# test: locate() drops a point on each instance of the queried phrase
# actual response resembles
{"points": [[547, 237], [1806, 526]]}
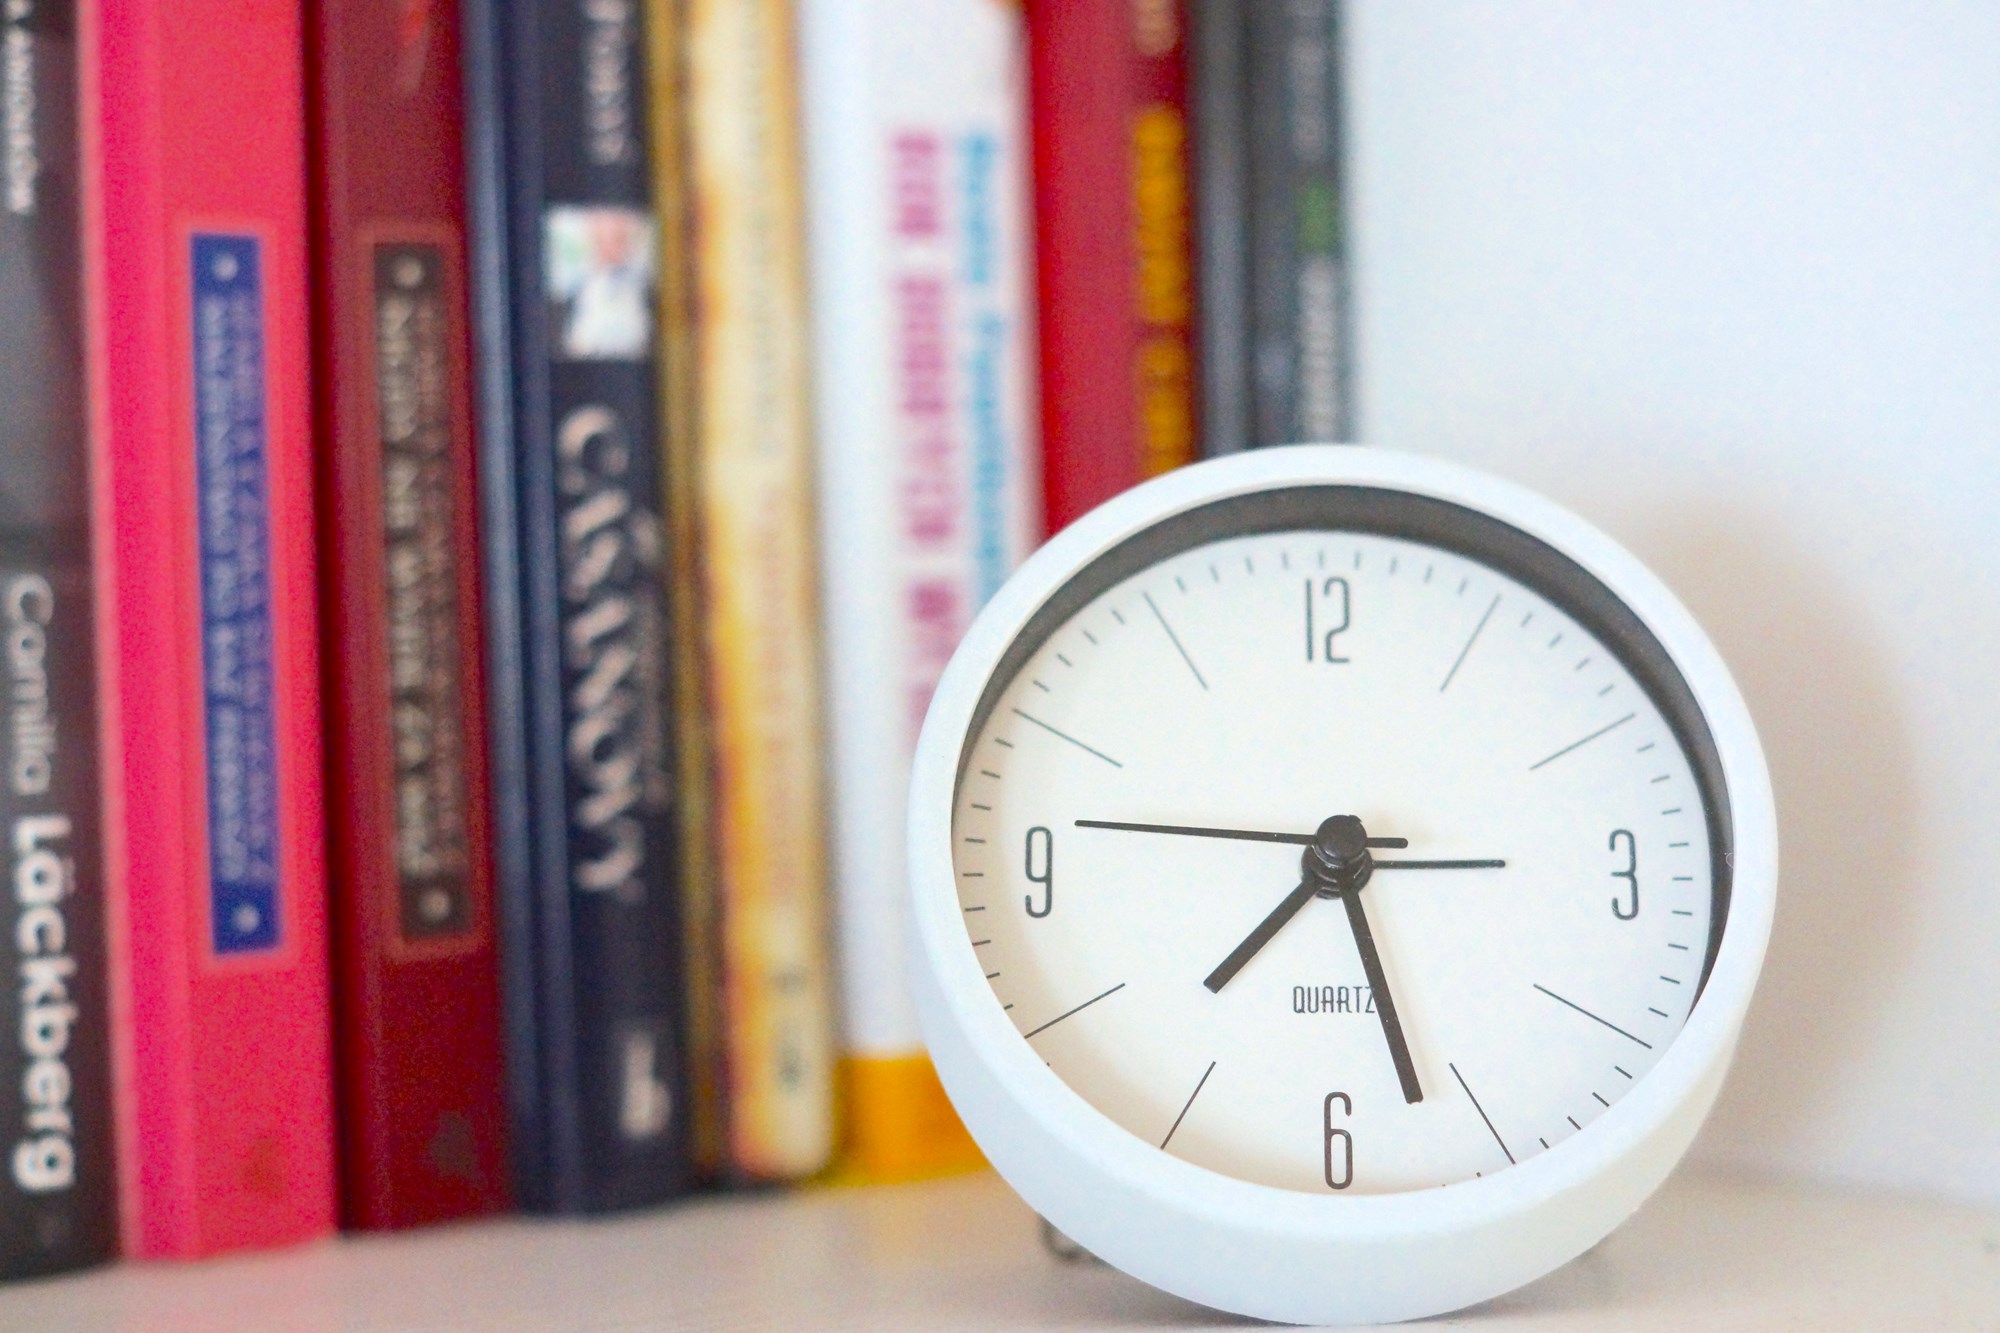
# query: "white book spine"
{"points": [[917, 221]]}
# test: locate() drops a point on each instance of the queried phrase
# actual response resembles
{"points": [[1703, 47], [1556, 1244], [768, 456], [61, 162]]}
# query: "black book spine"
{"points": [[1218, 75], [1301, 334], [565, 276], [57, 1197]]}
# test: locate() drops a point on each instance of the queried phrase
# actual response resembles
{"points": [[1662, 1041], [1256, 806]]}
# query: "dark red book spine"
{"points": [[422, 1109], [1114, 251]]}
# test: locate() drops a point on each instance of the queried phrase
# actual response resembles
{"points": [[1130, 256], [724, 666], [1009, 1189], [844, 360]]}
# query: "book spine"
{"points": [[705, 1020], [1114, 268], [576, 544], [754, 482], [422, 1106], [58, 1200], [1219, 78], [196, 228], [1300, 335], [920, 253]]}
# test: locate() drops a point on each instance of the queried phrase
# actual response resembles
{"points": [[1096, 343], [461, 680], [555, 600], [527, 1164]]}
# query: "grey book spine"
{"points": [[1301, 337], [57, 1197], [1220, 95]]}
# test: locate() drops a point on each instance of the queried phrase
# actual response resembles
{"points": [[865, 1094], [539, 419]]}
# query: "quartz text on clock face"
{"points": [[1335, 861]]}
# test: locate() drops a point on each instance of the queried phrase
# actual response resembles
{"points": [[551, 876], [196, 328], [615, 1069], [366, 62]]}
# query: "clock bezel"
{"points": [[1280, 1253]]}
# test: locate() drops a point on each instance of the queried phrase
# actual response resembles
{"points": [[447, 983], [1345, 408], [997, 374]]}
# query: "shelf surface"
{"points": [[1704, 1253]]}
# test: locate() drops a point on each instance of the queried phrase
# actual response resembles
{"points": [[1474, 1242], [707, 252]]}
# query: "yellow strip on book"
{"points": [[898, 1123]]}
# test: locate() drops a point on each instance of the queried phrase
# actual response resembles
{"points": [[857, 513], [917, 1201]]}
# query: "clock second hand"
{"points": [[1292, 839]]}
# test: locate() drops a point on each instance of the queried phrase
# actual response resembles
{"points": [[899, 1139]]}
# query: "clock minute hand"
{"points": [[1385, 1004]]}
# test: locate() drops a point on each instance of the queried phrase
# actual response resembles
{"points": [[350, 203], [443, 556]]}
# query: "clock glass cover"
{"points": [[1342, 840]]}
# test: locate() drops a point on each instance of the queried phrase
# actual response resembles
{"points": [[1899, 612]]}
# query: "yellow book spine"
{"points": [[754, 482], [700, 906]]}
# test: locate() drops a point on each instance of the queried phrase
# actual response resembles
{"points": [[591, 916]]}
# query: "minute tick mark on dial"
{"points": [[1176, 640], [1459, 661], [1482, 1113], [1575, 745], [1028, 717], [1593, 1017], [1070, 1013], [1190, 1102]]}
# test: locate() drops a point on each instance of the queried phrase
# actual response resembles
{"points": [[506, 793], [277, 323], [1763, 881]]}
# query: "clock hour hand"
{"points": [[1261, 936]]}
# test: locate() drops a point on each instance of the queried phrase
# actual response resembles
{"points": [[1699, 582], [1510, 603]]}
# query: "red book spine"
{"points": [[418, 1008], [1114, 249], [194, 186]]}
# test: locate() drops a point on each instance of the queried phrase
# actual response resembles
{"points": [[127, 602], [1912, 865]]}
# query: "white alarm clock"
{"points": [[1338, 881]]}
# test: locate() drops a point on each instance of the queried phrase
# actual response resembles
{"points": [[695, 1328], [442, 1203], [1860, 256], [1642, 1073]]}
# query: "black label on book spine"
{"points": [[56, 1184], [420, 561]]}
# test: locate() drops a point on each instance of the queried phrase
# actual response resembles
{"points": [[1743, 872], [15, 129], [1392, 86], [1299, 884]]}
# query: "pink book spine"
{"points": [[195, 216]]}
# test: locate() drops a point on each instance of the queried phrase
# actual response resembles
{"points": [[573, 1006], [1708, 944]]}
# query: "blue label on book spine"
{"points": [[232, 494]]}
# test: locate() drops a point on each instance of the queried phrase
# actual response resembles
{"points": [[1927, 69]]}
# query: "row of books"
{"points": [[489, 488]]}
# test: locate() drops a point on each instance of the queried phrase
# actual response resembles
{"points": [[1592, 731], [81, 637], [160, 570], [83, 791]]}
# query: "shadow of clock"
{"points": [[1835, 734]]}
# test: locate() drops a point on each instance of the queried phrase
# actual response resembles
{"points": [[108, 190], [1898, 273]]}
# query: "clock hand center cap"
{"points": [[1337, 860]]}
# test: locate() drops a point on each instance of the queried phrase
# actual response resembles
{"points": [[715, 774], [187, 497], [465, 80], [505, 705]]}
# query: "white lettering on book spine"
{"points": [[44, 1159], [612, 643]]}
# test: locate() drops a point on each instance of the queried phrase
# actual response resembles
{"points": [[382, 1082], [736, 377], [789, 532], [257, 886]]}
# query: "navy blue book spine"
{"points": [[565, 268], [57, 1197]]}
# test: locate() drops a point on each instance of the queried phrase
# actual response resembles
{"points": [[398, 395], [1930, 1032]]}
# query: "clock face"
{"points": [[1349, 842]]}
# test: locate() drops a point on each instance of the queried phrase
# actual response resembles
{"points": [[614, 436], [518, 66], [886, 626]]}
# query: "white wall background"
{"points": [[1725, 278]]}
